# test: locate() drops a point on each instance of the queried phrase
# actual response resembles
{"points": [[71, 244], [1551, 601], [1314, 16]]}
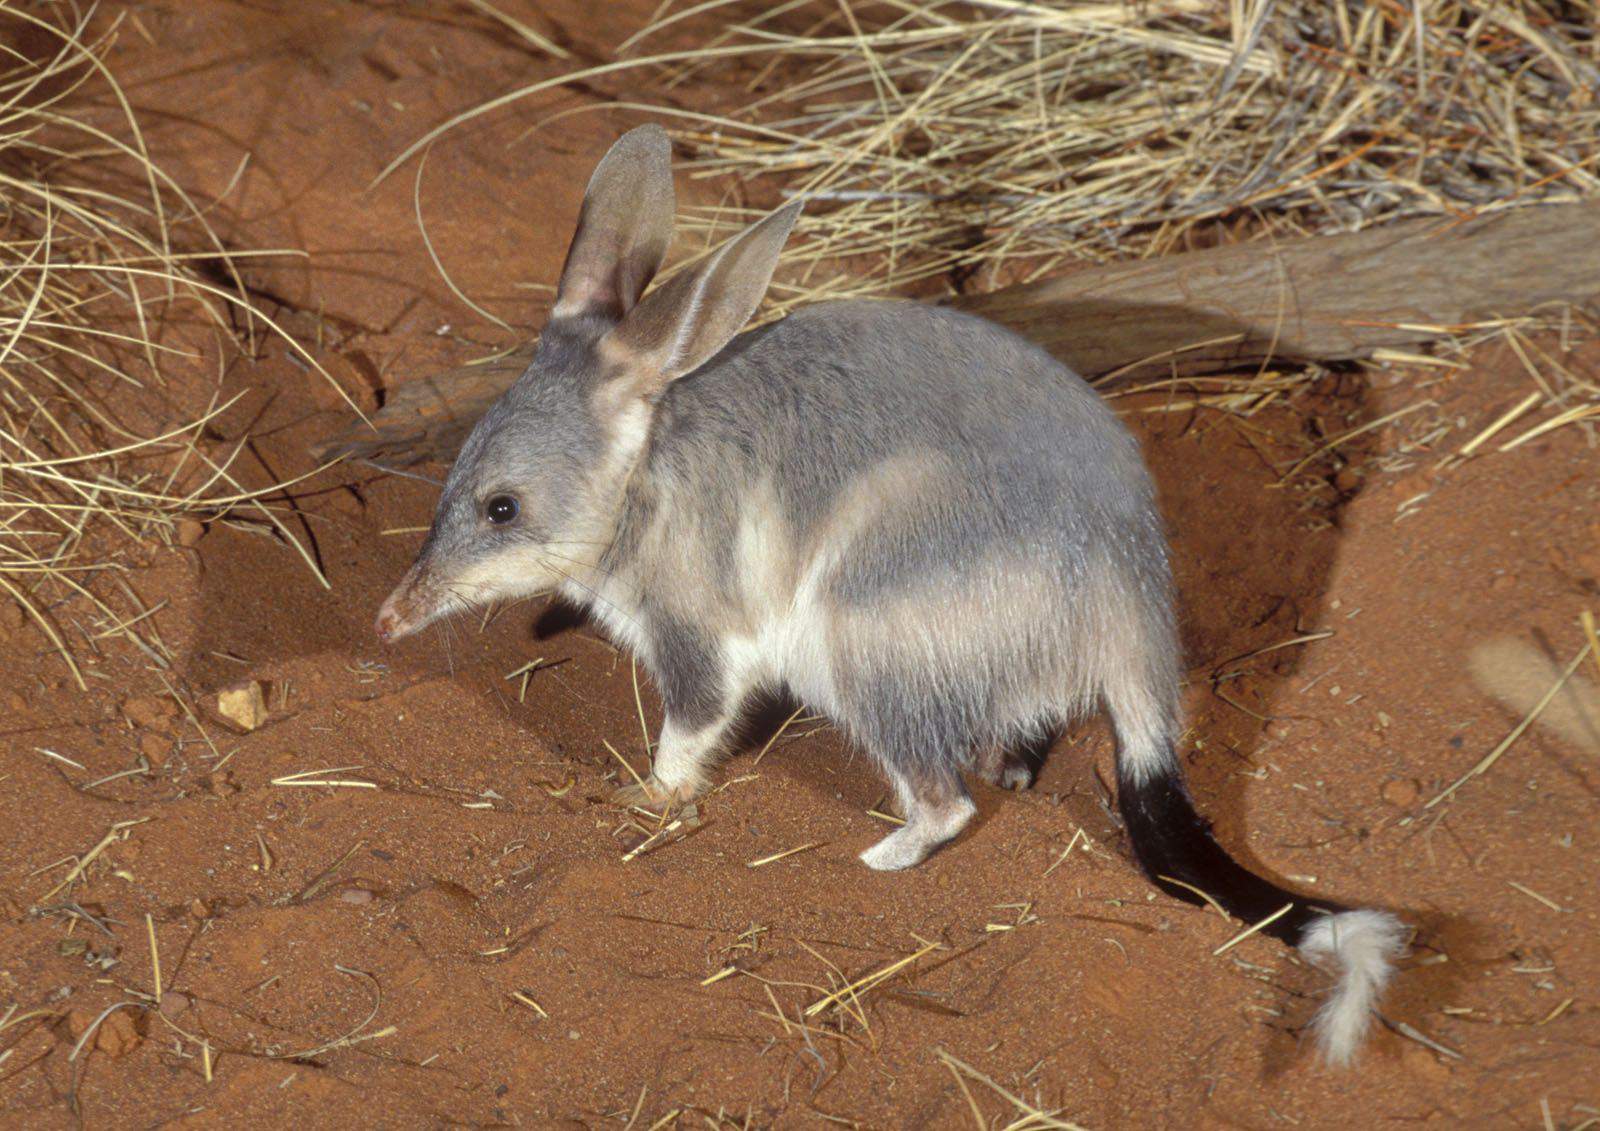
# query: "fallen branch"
{"points": [[1323, 298]]}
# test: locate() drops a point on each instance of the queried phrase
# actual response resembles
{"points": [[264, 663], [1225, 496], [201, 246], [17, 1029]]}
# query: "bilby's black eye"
{"points": [[501, 509]]}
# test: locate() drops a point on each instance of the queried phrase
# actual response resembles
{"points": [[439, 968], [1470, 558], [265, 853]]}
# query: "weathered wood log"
{"points": [[429, 417], [1322, 298]]}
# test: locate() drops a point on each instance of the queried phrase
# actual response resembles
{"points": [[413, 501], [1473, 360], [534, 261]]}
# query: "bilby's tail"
{"points": [[1175, 846]]}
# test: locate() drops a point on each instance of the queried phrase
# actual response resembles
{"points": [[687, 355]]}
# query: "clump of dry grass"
{"points": [[97, 302], [1000, 138], [964, 146], [987, 141]]}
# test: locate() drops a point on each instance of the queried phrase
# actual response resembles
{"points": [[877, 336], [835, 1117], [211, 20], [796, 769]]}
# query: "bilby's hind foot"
{"points": [[1006, 768], [935, 813]]}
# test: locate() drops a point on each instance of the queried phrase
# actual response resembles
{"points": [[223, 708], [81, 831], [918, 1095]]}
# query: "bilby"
{"points": [[915, 521]]}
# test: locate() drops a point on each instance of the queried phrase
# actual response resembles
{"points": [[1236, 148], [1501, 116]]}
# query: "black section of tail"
{"points": [[1173, 842]]}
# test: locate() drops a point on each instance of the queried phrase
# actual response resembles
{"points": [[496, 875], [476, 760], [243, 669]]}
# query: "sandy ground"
{"points": [[462, 938]]}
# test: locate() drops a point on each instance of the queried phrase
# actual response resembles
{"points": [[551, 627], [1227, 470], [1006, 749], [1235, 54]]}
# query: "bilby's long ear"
{"points": [[623, 230], [684, 322]]}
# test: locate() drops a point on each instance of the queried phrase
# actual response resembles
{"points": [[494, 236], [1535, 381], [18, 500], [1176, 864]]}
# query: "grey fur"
{"points": [[1017, 581], [915, 520]]}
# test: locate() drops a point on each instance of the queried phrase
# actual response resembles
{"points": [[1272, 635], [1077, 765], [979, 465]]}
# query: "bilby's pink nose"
{"points": [[406, 609], [392, 623], [388, 624]]}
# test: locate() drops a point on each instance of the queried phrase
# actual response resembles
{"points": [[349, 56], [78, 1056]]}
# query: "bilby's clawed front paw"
{"points": [[653, 793]]}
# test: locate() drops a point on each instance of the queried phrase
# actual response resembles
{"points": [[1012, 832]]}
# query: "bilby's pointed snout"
{"points": [[403, 611], [388, 624]]}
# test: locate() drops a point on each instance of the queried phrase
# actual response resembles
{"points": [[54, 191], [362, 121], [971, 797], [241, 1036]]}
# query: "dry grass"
{"points": [[951, 146], [1024, 1116], [1488, 760], [97, 302], [994, 140], [967, 146], [838, 1010], [1001, 138]]}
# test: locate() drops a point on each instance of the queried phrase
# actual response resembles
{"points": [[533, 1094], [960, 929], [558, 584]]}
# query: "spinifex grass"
{"points": [[1003, 137], [97, 303], [992, 140]]}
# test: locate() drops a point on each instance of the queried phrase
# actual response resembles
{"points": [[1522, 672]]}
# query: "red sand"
{"points": [[467, 943]]}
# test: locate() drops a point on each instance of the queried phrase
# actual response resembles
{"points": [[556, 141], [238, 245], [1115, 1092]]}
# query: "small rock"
{"points": [[190, 531], [174, 1003], [1503, 581], [155, 747], [117, 1035], [1401, 792], [219, 784], [243, 704], [11, 614], [1348, 480], [1589, 555], [16, 702], [356, 895], [198, 908], [149, 710], [78, 1022]]}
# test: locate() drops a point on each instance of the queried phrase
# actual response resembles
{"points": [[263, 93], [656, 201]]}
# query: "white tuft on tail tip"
{"points": [[1359, 948]]}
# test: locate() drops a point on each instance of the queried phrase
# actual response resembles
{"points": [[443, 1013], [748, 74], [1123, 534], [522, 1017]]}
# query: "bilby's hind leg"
{"points": [[936, 808], [1005, 766]]}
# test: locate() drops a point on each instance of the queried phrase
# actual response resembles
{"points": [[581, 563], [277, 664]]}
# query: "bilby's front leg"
{"points": [[702, 697], [683, 761]]}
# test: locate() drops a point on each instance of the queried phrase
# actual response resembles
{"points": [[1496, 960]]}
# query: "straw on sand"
{"points": [[98, 300]]}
